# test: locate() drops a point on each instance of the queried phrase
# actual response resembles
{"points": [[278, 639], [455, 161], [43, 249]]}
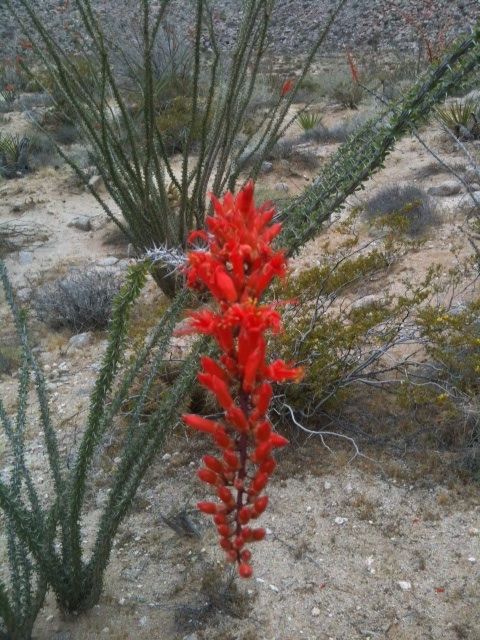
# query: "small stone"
{"points": [[267, 167], [274, 588], [83, 223], [24, 294], [405, 585], [281, 186], [449, 188], [472, 559], [166, 456], [49, 618], [327, 485], [339, 520], [191, 636], [315, 612], [474, 186], [366, 301], [473, 531], [96, 183], [109, 261], [80, 341], [25, 257]]}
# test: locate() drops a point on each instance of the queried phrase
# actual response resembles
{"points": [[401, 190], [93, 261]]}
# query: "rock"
{"points": [[281, 186], [339, 520], [405, 585], [266, 167], [24, 294], [366, 301], [327, 485], [96, 183], [449, 188], [315, 612], [472, 175], [80, 341], [109, 261], [472, 559], [25, 257], [83, 223], [191, 636], [474, 186]]}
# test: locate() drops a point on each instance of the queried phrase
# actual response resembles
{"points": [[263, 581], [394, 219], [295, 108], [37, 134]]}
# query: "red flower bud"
{"points": [[268, 466], [224, 530], [237, 418], [222, 439], [277, 441], [210, 366], [245, 570], [212, 463], [258, 534], [260, 504], [245, 555], [263, 431], [225, 495], [207, 507], [225, 544], [199, 423], [244, 515], [231, 459], [259, 482], [208, 476]]}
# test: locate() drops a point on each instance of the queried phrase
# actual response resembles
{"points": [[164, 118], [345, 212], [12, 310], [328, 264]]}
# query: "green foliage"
{"points": [[308, 120], [14, 155], [339, 342], [348, 94], [50, 532], [406, 208], [462, 117], [133, 153]]}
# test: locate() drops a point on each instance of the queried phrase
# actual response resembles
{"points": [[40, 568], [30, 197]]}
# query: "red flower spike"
{"points": [[236, 264]]}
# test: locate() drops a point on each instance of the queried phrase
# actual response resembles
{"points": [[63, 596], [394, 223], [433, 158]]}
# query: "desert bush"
{"points": [[348, 94], [408, 206], [339, 132], [462, 118], [80, 301]]}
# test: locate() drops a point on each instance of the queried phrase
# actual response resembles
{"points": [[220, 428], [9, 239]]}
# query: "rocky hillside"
{"points": [[363, 24]]}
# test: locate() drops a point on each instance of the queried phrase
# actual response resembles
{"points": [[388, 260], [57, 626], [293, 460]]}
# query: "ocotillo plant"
{"points": [[75, 579], [236, 267], [161, 206]]}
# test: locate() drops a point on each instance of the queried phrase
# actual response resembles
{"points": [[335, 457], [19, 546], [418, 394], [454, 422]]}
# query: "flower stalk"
{"points": [[236, 266]]}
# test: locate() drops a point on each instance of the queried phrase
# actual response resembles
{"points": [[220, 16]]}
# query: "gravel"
{"points": [[362, 24]]}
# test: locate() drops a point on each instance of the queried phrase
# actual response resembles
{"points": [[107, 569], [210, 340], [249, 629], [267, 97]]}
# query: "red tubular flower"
{"points": [[237, 264], [287, 86]]}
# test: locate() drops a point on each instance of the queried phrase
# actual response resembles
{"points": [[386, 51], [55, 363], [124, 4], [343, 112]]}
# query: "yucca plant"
{"points": [[14, 153], [308, 120], [461, 117]]}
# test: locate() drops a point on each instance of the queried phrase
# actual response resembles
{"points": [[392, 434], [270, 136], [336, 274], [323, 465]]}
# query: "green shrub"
{"points": [[348, 94], [407, 207]]}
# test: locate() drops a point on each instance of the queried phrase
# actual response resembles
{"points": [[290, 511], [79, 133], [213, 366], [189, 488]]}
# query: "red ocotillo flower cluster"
{"points": [[236, 266]]}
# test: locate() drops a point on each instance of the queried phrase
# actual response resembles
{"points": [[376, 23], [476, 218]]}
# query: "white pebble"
{"points": [[315, 611], [340, 520], [404, 585]]}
